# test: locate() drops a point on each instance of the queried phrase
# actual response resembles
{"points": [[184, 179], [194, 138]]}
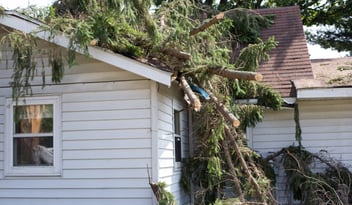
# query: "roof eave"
{"points": [[25, 24], [324, 93]]}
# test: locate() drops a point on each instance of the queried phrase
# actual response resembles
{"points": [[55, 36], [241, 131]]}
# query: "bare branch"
{"points": [[207, 24]]}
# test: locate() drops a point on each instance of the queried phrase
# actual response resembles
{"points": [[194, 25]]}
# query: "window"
{"points": [[177, 131], [32, 138]]}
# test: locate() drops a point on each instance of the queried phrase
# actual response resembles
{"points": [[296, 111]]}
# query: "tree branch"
{"points": [[223, 110], [190, 94], [176, 53], [207, 24], [232, 170], [241, 159], [235, 74]]}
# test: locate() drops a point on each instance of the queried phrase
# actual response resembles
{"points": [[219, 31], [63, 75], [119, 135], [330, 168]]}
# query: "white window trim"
{"points": [[54, 170]]}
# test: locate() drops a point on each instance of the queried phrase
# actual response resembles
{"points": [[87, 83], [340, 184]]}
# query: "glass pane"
{"points": [[33, 151], [177, 126], [33, 119]]}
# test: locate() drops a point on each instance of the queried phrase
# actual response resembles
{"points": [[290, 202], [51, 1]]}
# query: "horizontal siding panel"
{"points": [[327, 130], [106, 124], [91, 87], [274, 138], [102, 76], [107, 154], [165, 126], [106, 163], [324, 122], [164, 107], [74, 183], [277, 145], [165, 174], [107, 144], [325, 137], [106, 115], [75, 201], [107, 134], [174, 181], [165, 116], [275, 124], [107, 105], [75, 193], [166, 163], [166, 143], [106, 173], [327, 144], [268, 131], [166, 154], [107, 95], [328, 115]]}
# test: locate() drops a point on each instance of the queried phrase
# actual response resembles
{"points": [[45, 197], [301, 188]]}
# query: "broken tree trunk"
{"points": [[235, 74], [195, 102], [232, 170], [207, 24], [176, 53], [223, 110], [243, 162]]}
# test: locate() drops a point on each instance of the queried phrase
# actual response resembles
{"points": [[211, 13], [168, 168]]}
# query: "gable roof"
{"points": [[290, 59], [25, 24]]}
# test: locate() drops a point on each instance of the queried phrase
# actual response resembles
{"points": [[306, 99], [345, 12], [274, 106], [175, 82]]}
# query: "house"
{"points": [[99, 137], [320, 88]]}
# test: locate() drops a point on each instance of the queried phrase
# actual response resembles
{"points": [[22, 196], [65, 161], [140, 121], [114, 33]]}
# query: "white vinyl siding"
{"points": [[169, 170], [325, 124], [106, 140]]}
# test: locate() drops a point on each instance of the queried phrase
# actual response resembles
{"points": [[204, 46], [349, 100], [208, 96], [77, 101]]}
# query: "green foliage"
{"points": [[166, 198], [267, 97], [249, 115], [298, 131], [253, 54], [246, 28], [35, 12], [24, 67], [128, 28], [315, 187]]}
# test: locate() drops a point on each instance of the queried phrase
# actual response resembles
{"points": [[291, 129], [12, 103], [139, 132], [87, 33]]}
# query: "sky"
{"points": [[315, 51]]}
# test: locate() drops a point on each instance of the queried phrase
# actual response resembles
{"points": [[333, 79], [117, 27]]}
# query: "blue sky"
{"points": [[315, 51]]}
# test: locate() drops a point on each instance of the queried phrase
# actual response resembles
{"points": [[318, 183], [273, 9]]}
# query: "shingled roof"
{"points": [[290, 59]]}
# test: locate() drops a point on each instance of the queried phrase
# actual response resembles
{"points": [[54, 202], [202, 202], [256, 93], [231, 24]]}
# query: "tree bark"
{"points": [[188, 91], [235, 74]]}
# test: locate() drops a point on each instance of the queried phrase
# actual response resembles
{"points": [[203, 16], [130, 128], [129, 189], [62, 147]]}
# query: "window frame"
{"points": [[55, 169], [177, 133]]}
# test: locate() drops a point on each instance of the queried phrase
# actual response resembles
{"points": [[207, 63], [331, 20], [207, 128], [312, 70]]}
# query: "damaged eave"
{"points": [[25, 24]]}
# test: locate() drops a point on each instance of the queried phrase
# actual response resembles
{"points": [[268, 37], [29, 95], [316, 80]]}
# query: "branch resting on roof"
{"points": [[195, 102], [235, 74]]}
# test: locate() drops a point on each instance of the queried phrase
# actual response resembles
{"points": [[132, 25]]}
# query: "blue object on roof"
{"points": [[200, 91]]}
